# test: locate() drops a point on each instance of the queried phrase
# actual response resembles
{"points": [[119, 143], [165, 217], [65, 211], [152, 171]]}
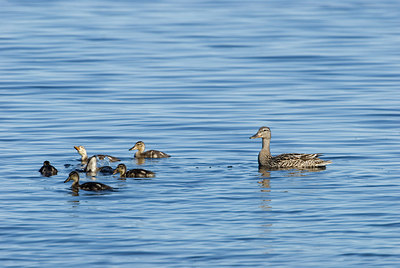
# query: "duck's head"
{"points": [[74, 176], [138, 146], [263, 132], [81, 150], [46, 163], [121, 168]]}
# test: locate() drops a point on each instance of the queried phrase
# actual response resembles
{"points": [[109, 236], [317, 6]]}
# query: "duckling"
{"points": [[133, 173], [87, 186], [48, 170], [84, 157], [148, 154], [91, 167], [300, 161]]}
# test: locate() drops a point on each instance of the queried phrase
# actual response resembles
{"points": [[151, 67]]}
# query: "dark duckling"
{"points": [[133, 173], [148, 154], [84, 157], [299, 161], [87, 186], [48, 170]]}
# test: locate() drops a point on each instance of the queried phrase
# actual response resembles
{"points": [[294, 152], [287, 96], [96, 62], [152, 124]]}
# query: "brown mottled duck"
{"points": [[284, 161]]}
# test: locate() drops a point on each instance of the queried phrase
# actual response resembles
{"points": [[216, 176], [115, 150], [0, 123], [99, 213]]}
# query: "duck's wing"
{"points": [[54, 171], [299, 160], [155, 154], [94, 186], [107, 170], [294, 156], [109, 157], [140, 173]]}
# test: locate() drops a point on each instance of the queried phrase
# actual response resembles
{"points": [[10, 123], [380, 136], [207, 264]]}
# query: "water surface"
{"points": [[196, 80]]}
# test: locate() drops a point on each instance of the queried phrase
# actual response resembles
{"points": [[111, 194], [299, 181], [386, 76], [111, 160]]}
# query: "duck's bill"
{"points": [[255, 136], [115, 171], [67, 180], [76, 148], [133, 148]]}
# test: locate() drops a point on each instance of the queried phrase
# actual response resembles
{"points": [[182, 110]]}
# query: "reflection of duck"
{"points": [[299, 161], [87, 186], [148, 154], [84, 157], [48, 170], [133, 173], [92, 168]]}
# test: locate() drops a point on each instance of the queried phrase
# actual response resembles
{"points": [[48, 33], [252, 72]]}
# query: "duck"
{"points": [[48, 170], [284, 161], [84, 157], [148, 154], [91, 167], [133, 173], [87, 186]]}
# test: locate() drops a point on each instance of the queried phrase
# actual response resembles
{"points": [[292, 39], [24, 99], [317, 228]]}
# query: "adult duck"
{"points": [[284, 161], [133, 173], [48, 170], [147, 154], [84, 157], [87, 186]]}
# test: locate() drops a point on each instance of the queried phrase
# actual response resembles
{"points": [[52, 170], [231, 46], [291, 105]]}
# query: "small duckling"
{"points": [[92, 168], [292, 160], [133, 173], [148, 154], [87, 186], [48, 170], [84, 157]]}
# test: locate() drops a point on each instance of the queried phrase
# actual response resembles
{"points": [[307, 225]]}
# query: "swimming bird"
{"points": [[133, 173], [87, 186], [148, 154], [299, 161], [48, 170], [84, 157], [91, 167]]}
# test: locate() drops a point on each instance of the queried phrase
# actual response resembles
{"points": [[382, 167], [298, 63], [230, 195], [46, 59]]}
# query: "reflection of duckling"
{"points": [[133, 173], [92, 168], [84, 158], [266, 160], [48, 170], [87, 186], [148, 154]]}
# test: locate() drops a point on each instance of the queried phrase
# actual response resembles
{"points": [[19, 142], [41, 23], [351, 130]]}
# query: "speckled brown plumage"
{"points": [[293, 160]]}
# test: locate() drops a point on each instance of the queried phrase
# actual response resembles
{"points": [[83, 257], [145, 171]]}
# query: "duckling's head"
{"points": [[46, 163], [121, 168], [138, 146], [263, 132], [74, 176], [81, 150]]}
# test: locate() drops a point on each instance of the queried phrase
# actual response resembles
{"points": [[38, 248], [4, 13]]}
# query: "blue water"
{"points": [[196, 79]]}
